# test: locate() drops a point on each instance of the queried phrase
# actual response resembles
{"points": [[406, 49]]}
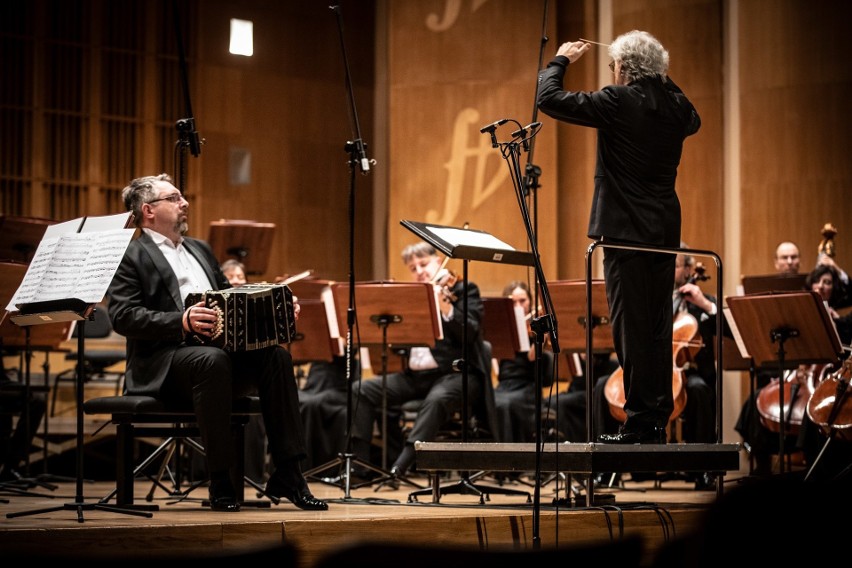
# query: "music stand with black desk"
{"points": [[467, 245], [787, 330], [60, 311], [69, 274]]}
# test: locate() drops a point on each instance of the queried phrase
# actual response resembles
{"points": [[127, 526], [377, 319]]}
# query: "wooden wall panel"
{"points": [[794, 93], [287, 106], [455, 67]]}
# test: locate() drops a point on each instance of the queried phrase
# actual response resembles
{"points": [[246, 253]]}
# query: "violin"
{"points": [[686, 342], [447, 282], [830, 405]]}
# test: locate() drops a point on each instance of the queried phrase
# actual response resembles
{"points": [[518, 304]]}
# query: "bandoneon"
{"points": [[252, 316]]}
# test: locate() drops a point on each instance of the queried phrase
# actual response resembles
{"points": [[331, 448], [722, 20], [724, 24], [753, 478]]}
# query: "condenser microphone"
{"points": [[491, 128]]}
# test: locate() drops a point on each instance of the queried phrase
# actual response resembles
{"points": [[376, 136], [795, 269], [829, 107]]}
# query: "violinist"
{"points": [[430, 375]]}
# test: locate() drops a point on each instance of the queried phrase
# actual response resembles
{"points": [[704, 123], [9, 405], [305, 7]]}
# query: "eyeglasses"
{"points": [[612, 66], [174, 198]]}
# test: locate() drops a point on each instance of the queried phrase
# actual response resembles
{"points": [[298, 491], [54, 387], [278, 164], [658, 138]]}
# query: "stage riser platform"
{"points": [[577, 458]]}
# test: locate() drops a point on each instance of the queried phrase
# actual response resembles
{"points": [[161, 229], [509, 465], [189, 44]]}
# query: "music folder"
{"points": [[469, 244]]}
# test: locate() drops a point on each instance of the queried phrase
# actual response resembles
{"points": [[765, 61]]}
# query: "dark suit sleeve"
{"points": [[140, 306], [594, 109]]}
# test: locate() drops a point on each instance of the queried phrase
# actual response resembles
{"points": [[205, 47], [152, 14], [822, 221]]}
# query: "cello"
{"points": [[799, 386], [830, 405], [685, 344]]}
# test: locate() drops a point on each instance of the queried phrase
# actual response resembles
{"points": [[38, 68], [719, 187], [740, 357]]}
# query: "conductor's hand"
{"points": [[573, 50]]}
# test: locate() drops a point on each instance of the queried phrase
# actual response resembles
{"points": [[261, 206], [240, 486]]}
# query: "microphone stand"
{"points": [[357, 150], [187, 135], [545, 323]]}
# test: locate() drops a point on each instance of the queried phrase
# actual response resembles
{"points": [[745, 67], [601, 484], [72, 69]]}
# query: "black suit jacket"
{"points": [[641, 128], [145, 307]]}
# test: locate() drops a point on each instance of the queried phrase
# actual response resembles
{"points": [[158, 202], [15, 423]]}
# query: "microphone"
{"points": [[491, 128], [522, 134], [360, 147]]}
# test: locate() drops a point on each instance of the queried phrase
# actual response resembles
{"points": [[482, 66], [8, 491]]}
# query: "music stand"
{"points": [[787, 329], [29, 339], [569, 299], [569, 303], [313, 339], [500, 328], [20, 236], [467, 245], [765, 283], [401, 314], [37, 313], [249, 242]]}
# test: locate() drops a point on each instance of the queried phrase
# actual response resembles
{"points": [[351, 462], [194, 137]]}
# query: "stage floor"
{"points": [[656, 512]]}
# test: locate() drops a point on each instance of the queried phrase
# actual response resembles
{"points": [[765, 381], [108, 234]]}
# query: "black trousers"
{"points": [[210, 378], [639, 288]]}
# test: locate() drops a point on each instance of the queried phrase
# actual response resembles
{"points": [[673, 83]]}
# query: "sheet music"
{"points": [[70, 264], [438, 299], [735, 331], [521, 323], [327, 297], [469, 238]]}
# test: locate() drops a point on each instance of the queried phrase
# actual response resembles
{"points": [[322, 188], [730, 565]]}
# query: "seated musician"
{"points": [[763, 444], [430, 374], [159, 270], [514, 395]]}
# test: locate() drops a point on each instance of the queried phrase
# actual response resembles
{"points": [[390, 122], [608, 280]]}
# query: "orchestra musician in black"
{"points": [[430, 374]]}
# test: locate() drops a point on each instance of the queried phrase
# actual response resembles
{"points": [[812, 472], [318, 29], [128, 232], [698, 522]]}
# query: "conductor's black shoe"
{"points": [[300, 497], [646, 435], [222, 496], [705, 482]]}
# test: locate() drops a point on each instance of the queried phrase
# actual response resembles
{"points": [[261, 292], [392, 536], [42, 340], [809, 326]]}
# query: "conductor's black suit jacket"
{"points": [[145, 307], [641, 128]]}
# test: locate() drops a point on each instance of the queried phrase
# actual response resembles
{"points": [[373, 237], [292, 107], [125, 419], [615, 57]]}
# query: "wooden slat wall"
{"points": [[796, 128]]}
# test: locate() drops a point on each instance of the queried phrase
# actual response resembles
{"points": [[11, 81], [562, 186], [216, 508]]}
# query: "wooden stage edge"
{"points": [[657, 513]]}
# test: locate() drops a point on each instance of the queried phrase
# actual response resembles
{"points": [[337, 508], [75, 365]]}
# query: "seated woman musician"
{"points": [[514, 395]]}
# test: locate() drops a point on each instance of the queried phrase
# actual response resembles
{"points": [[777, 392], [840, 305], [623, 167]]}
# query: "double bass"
{"points": [[801, 384], [686, 341]]}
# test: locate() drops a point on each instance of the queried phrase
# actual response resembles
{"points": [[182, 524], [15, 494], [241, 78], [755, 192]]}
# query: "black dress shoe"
{"points": [[301, 497], [649, 435], [223, 497]]}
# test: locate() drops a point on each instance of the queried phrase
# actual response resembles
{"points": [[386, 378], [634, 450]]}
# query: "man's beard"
{"points": [[182, 228]]}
